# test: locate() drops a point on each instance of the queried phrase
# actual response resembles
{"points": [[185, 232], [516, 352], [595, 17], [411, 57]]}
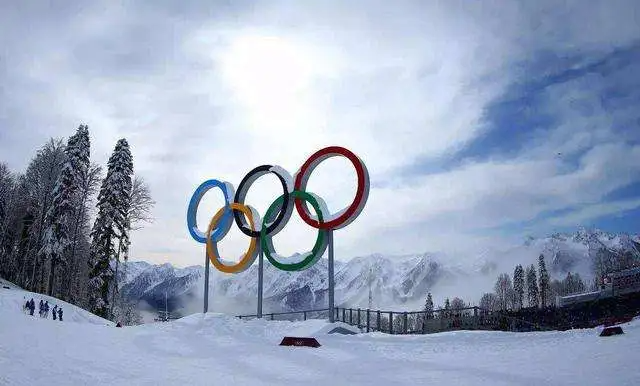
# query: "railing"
{"points": [[413, 322], [424, 322], [322, 313]]}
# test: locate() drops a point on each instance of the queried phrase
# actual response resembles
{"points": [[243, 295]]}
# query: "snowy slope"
{"points": [[12, 300], [217, 350]]}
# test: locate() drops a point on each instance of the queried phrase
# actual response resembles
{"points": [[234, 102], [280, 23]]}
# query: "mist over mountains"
{"points": [[396, 282]]}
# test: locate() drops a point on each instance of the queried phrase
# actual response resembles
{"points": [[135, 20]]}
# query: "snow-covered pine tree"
{"points": [[428, 306], [447, 308], [518, 286], [78, 227], [110, 230], [123, 222], [544, 282], [532, 286], [572, 284]]}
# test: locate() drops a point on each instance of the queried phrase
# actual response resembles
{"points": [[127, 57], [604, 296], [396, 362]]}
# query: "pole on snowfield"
{"points": [[260, 282], [331, 280], [206, 283]]}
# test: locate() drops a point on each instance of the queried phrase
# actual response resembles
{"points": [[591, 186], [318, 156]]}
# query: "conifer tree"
{"points": [[532, 286], [572, 284], [518, 286], [110, 230], [544, 282], [447, 307], [428, 306]]}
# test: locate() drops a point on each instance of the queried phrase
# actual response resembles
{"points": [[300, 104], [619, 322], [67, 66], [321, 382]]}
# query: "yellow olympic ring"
{"points": [[212, 250]]}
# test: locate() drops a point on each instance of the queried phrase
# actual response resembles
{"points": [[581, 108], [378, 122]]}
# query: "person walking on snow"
{"points": [[41, 308], [60, 313], [55, 308], [46, 309], [32, 306]]}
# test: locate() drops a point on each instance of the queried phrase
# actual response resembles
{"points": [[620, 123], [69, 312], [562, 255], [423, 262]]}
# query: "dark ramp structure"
{"points": [[299, 342]]}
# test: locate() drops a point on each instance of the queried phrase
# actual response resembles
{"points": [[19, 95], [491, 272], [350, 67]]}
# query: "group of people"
{"points": [[43, 309]]}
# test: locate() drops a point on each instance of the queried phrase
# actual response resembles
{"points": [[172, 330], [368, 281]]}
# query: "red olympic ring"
{"points": [[362, 192]]}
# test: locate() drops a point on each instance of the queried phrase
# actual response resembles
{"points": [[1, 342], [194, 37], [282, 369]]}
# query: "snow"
{"points": [[12, 300], [222, 350]]}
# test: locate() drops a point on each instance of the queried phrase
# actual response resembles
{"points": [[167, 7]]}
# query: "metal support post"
{"points": [[331, 278], [205, 308], [368, 320], [260, 282], [475, 318], [405, 323]]}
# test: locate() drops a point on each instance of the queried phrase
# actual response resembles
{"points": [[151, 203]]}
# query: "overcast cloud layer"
{"points": [[480, 122]]}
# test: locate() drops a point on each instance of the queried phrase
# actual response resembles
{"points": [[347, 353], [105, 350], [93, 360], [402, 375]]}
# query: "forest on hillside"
{"points": [[66, 223]]}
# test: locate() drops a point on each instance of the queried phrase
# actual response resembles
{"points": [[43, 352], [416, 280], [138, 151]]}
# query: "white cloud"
{"points": [[396, 83], [590, 212]]}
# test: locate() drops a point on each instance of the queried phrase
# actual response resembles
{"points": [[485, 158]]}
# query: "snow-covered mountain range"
{"points": [[396, 282]]}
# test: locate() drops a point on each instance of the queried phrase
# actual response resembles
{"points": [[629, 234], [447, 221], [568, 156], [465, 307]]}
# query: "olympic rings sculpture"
{"points": [[278, 213]]}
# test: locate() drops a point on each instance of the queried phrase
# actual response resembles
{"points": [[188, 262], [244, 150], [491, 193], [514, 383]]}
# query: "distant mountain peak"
{"points": [[396, 281]]}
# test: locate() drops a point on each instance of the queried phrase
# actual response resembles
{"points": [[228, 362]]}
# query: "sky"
{"points": [[480, 123]]}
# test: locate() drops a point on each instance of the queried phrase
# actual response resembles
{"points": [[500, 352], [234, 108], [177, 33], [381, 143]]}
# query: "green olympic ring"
{"points": [[266, 239]]}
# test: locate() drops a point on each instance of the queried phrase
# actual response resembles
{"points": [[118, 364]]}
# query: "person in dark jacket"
{"points": [[55, 309], [46, 309], [32, 307], [41, 308], [60, 313]]}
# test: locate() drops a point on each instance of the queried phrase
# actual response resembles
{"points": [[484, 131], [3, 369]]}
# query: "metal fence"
{"points": [[322, 313], [414, 322], [423, 322]]}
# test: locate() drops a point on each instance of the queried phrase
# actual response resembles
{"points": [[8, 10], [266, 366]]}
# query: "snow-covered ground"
{"points": [[215, 349], [12, 300]]}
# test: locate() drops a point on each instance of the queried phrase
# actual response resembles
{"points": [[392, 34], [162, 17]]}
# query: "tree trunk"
{"points": [[51, 277], [115, 283], [78, 219]]}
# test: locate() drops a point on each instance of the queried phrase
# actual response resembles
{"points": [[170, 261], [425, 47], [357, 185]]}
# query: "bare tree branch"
{"points": [[141, 204]]}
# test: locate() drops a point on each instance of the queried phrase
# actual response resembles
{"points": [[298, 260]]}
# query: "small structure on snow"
{"points": [[342, 331], [613, 330], [299, 341]]}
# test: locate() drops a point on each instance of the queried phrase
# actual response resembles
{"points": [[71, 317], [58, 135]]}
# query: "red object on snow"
{"points": [[300, 342]]}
